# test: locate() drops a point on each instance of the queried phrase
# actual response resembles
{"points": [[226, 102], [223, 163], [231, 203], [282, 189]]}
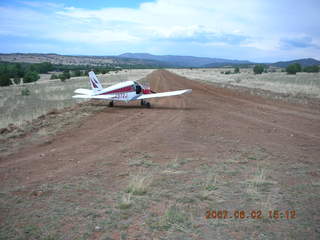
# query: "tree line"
{"points": [[16, 71], [29, 72], [290, 69]]}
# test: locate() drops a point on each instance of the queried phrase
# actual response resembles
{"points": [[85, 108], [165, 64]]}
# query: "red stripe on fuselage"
{"points": [[119, 90]]}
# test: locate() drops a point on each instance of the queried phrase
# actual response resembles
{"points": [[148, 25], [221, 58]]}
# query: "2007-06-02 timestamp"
{"points": [[253, 214]]}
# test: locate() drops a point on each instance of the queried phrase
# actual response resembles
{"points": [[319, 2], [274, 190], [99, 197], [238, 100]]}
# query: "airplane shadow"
{"points": [[140, 107], [153, 107]]}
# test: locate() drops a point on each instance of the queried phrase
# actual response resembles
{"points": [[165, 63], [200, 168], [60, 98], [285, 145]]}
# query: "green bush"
{"points": [[62, 77], [293, 68], [25, 92], [313, 68], [236, 70], [76, 73], [96, 71], [258, 69], [17, 80], [30, 76], [54, 76], [228, 72], [5, 80], [66, 73]]}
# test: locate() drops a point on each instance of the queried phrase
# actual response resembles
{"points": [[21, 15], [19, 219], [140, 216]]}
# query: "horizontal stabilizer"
{"points": [[164, 94], [106, 97], [83, 91]]}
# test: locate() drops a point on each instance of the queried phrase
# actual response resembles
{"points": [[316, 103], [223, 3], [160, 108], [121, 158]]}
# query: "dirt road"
{"points": [[233, 134]]}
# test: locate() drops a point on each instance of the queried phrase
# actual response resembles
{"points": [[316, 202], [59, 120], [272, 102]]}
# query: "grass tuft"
{"points": [[259, 180], [211, 183], [139, 184], [125, 202], [174, 218], [141, 163]]}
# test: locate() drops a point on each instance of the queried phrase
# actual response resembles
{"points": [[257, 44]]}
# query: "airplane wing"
{"points": [[164, 94], [106, 97], [83, 91]]}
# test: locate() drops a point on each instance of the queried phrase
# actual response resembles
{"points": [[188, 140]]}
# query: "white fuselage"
{"points": [[124, 91]]}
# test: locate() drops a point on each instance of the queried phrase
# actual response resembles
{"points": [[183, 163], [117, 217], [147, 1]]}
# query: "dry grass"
{"points": [[257, 182], [176, 218], [211, 182], [126, 201], [279, 82], [139, 184], [163, 206], [46, 95], [53, 94]]}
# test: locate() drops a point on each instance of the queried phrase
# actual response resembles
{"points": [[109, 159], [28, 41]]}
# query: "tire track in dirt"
{"points": [[258, 107], [190, 125]]}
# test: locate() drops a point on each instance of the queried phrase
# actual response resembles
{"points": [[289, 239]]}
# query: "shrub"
{"points": [[236, 70], [17, 80], [76, 73], [62, 77], [30, 76], [313, 68], [25, 92], [54, 76], [228, 72], [293, 68], [66, 74], [5, 80], [258, 69]]}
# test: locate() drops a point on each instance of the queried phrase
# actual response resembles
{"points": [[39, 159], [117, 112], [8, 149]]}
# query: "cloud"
{"points": [[246, 28], [164, 20], [301, 42], [38, 4]]}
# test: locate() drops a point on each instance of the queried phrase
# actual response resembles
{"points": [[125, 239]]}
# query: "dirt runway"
{"points": [[211, 125]]}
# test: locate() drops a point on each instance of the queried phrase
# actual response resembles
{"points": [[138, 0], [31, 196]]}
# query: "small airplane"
{"points": [[124, 91]]}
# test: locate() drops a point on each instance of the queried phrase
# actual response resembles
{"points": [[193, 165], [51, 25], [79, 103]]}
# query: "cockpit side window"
{"points": [[137, 87]]}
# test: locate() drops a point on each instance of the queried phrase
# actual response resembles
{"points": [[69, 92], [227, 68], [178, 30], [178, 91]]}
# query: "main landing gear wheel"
{"points": [[145, 104], [110, 104]]}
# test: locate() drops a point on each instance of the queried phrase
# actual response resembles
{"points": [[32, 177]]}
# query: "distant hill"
{"points": [[140, 60], [80, 60], [303, 62], [185, 61]]}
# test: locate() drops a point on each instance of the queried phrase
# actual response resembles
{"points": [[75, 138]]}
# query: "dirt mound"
{"points": [[211, 131]]}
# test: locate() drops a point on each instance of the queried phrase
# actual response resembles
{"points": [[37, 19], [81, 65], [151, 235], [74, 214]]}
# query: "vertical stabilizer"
{"points": [[95, 84]]}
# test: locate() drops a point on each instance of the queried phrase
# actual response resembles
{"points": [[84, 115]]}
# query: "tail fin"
{"points": [[95, 84]]}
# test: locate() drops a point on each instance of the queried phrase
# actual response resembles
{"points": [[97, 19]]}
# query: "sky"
{"points": [[255, 30]]}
